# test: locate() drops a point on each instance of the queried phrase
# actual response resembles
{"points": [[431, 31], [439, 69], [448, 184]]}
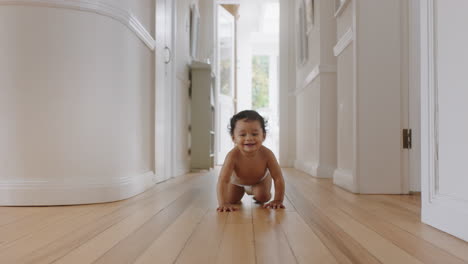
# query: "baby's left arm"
{"points": [[277, 176]]}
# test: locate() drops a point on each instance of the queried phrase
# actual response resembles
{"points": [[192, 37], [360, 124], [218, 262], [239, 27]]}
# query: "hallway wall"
{"points": [[350, 91], [372, 79], [316, 92], [183, 58], [76, 103], [344, 175]]}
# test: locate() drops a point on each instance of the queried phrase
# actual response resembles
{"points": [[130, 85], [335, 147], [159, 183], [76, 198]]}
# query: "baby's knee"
{"points": [[262, 197]]}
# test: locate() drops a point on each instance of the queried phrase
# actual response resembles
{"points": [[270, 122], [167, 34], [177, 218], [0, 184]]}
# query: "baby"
{"points": [[249, 167]]}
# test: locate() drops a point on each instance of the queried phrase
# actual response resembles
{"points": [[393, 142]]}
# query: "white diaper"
{"points": [[247, 188]]}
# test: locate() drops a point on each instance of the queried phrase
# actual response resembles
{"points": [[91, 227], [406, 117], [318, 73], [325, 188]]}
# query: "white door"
{"points": [[224, 82], [414, 96], [444, 126], [163, 94]]}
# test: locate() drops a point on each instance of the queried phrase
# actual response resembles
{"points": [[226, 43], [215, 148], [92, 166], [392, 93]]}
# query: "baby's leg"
{"points": [[262, 190], [234, 194]]}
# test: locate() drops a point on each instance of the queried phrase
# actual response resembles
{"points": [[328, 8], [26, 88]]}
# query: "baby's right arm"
{"points": [[223, 183]]}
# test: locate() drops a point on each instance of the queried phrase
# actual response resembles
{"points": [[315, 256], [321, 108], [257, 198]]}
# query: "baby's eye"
{"points": [[242, 135], [255, 134]]}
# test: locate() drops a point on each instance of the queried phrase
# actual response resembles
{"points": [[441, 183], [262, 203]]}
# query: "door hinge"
{"points": [[407, 138]]}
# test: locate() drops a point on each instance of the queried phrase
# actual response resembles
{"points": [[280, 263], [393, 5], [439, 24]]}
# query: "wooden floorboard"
{"points": [[411, 244], [176, 222]]}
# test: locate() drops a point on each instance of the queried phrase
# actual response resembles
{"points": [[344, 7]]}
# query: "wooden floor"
{"points": [[176, 222]]}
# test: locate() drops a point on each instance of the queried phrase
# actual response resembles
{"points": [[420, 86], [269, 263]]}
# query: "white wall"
{"points": [[307, 100], [379, 96], [76, 96], [206, 43], [345, 173], [372, 73], [182, 60], [345, 112], [316, 96], [287, 99]]}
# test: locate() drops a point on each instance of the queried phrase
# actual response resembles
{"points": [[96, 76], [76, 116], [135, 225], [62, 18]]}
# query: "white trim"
{"points": [[324, 68], [183, 80], [356, 146], [123, 16], [316, 71], [160, 178], [325, 171], [431, 89], [344, 42], [228, 2], [431, 94], [341, 8], [66, 192], [344, 179], [311, 76], [438, 210], [404, 92], [307, 167]]}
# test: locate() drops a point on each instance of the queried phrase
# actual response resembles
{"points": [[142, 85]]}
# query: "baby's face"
{"points": [[248, 135]]}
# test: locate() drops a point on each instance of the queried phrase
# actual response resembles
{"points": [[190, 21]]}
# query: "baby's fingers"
{"points": [[274, 206], [226, 209]]}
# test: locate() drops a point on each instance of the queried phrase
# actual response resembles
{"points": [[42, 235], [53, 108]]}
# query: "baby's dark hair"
{"points": [[249, 115]]}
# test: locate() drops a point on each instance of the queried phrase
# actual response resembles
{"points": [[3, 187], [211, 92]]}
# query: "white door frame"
{"points": [[444, 211], [220, 98], [164, 109]]}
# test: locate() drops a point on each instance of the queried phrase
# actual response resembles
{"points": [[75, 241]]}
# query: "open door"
{"points": [[224, 82], [163, 94], [444, 130]]}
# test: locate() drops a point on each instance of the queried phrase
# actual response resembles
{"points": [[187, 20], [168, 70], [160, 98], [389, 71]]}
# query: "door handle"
{"points": [[168, 60]]}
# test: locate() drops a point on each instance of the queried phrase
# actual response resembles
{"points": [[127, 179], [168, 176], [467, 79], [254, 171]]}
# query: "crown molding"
{"points": [[123, 16]]}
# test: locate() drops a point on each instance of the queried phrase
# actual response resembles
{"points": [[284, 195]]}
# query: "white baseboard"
{"points": [[307, 167], [325, 171], [290, 163], [344, 179], [85, 191], [159, 178]]}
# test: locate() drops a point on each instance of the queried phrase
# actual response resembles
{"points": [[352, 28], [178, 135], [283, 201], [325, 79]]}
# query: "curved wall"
{"points": [[76, 107]]}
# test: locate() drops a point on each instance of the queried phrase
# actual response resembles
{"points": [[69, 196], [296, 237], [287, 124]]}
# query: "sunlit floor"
{"points": [[176, 222]]}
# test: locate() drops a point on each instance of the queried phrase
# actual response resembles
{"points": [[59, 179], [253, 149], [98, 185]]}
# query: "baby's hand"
{"points": [[226, 208], [275, 204]]}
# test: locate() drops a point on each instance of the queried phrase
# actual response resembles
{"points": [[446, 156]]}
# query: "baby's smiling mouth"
{"points": [[249, 144]]}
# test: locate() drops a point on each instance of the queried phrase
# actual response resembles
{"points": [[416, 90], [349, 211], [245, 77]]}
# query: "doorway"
{"points": [[256, 75]]}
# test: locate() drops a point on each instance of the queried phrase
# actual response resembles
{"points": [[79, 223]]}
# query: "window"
{"points": [[260, 79]]}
